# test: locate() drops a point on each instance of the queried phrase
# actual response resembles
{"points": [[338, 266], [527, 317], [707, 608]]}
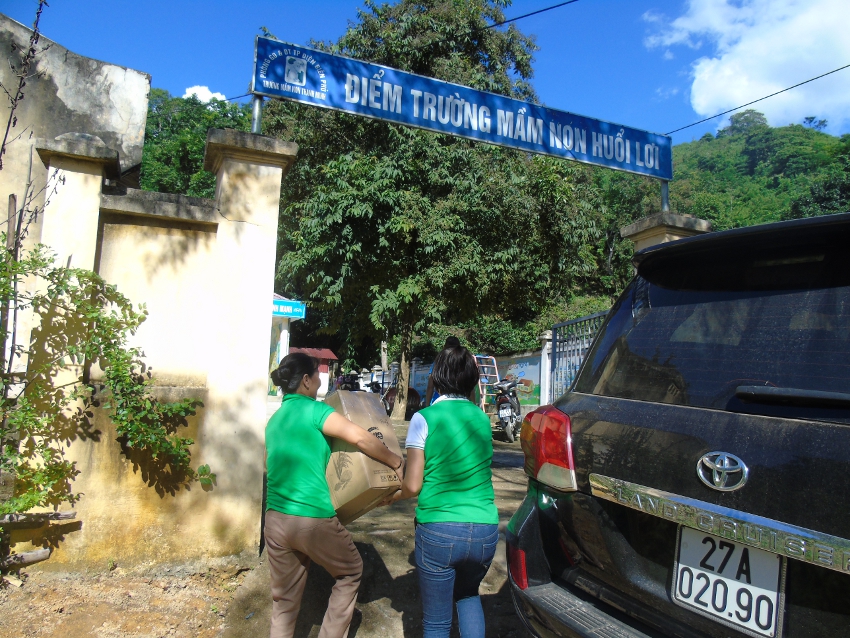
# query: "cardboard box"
{"points": [[358, 483]]}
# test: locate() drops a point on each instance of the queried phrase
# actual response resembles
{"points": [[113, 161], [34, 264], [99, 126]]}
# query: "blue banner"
{"points": [[293, 72]]}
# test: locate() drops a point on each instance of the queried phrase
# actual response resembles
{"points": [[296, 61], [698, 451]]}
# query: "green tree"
{"points": [[392, 227], [813, 122], [175, 137], [744, 122], [80, 321], [827, 196]]}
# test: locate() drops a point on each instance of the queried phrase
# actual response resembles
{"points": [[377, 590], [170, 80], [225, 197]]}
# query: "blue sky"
{"points": [[650, 64]]}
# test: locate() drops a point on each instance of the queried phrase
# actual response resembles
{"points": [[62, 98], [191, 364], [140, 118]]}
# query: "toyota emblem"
{"points": [[722, 471]]}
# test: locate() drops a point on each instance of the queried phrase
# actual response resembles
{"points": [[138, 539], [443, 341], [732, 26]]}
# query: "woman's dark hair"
{"points": [[455, 371], [451, 342], [292, 369]]}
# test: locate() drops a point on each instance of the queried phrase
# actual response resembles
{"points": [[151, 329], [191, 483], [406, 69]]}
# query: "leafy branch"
{"points": [[80, 323]]}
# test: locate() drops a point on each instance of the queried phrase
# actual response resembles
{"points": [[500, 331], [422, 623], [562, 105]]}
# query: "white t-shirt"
{"points": [[418, 430]]}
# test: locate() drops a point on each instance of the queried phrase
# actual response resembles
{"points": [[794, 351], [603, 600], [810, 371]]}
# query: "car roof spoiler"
{"points": [[799, 230]]}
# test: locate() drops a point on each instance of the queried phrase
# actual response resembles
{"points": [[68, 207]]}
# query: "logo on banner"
{"points": [[296, 71], [284, 70]]}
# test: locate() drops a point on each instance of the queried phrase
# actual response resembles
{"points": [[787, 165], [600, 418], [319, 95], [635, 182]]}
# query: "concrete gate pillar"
{"points": [[249, 169], [663, 227], [76, 165]]}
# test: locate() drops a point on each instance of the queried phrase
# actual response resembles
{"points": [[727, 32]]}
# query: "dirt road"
{"points": [[230, 598]]}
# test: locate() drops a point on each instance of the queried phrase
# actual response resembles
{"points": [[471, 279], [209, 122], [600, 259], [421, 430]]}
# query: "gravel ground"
{"points": [[174, 601]]}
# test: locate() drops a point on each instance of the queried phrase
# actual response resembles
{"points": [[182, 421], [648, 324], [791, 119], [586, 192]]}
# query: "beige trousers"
{"points": [[292, 542]]}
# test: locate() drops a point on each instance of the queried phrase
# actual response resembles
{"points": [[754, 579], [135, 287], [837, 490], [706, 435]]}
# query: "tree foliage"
{"points": [[827, 196], [752, 173], [447, 40], [175, 138], [743, 123], [389, 231], [393, 227]]}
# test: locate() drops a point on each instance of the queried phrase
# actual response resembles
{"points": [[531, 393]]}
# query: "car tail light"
{"points": [[546, 440], [516, 560]]}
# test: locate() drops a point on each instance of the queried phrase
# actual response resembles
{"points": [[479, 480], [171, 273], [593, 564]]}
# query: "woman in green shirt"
{"points": [[301, 525], [449, 451]]}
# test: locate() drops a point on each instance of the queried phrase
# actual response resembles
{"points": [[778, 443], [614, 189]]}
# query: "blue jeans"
{"points": [[452, 560]]}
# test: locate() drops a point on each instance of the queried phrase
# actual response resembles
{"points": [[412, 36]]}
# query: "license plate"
{"points": [[505, 413], [737, 585]]}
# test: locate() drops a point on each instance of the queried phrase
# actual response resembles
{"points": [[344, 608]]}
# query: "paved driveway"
{"points": [[388, 602]]}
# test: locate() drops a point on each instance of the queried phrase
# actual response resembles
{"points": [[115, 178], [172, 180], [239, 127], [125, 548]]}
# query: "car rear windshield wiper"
{"points": [[792, 396]]}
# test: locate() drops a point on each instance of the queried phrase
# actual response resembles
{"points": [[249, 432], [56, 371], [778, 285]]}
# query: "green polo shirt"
{"points": [[457, 484], [297, 455]]}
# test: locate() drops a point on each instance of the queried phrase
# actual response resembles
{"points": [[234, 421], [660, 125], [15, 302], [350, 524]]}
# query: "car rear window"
{"points": [[696, 347]]}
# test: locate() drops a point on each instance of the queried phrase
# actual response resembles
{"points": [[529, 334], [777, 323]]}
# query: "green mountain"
{"points": [[751, 173]]}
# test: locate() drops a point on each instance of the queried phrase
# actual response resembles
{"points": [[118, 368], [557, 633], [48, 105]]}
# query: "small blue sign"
{"points": [[292, 72], [287, 308]]}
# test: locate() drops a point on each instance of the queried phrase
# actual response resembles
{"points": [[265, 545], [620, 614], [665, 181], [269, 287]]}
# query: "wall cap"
{"points": [[247, 147], [80, 146], [691, 225], [522, 354], [160, 205]]}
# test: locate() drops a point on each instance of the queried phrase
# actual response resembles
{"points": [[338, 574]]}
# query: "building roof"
{"points": [[319, 353]]}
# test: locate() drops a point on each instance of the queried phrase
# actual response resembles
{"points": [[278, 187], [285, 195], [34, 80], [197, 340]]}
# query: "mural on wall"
{"points": [[526, 372], [419, 378]]}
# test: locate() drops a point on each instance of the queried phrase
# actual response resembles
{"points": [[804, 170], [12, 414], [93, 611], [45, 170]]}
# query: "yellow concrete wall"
{"points": [[205, 271], [167, 264]]}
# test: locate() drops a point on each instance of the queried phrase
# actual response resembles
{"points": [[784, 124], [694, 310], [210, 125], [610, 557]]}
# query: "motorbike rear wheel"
{"points": [[509, 431]]}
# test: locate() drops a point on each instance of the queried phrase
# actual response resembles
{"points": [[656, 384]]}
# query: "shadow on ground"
{"points": [[388, 603]]}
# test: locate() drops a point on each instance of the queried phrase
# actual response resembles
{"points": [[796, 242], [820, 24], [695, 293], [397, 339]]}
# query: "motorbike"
{"points": [[507, 408], [374, 387], [350, 382]]}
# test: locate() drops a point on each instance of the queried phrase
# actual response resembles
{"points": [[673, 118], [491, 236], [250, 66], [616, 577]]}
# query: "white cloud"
{"points": [[758, 47], [203, 93], [666, 93], [668, 55]]}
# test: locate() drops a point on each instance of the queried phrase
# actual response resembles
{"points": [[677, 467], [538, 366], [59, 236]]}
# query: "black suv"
{"points": [[695, 480]]}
